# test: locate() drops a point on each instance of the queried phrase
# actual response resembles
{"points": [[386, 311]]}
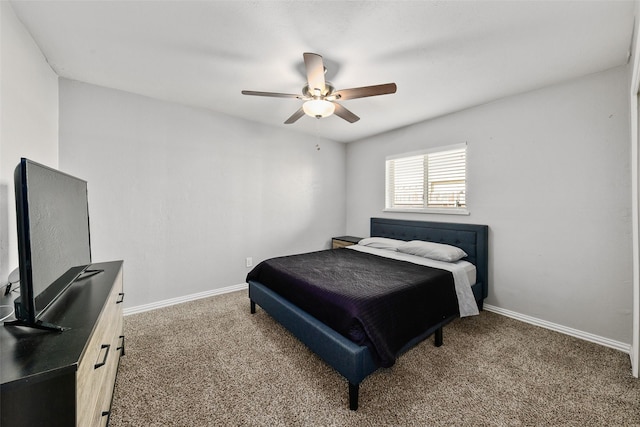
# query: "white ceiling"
{"points": [[445, 56]]}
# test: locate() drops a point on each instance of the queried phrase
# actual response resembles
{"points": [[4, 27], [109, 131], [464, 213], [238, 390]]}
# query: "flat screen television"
{"points": [[53, 238]]}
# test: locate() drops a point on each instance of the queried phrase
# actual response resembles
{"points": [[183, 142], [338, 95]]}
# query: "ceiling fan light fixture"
{"points": [[318, 108], [320, 94]]}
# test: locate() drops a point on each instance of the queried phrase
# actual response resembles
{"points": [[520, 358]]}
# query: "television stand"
{"points": [[66, 379]]}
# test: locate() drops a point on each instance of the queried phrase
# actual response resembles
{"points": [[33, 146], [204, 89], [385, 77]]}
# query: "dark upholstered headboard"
{"points": [[471, 238]]}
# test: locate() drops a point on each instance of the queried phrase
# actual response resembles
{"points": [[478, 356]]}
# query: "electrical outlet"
{"points": [[249, 261]]}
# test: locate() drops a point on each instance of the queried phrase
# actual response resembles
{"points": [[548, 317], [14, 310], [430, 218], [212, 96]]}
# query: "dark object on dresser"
{"points": [[52, 216]]}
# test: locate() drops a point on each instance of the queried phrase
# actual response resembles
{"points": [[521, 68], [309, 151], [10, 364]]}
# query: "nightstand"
{"points": [[342, 241]]}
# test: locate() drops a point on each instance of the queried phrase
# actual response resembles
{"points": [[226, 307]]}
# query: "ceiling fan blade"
{"points": [[362, 92], [295, 116], [315, 72], [272, 94], [340, 111]]}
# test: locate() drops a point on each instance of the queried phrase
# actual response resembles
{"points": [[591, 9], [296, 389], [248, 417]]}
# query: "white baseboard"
{"points": [[179, 300], [617, 345]]}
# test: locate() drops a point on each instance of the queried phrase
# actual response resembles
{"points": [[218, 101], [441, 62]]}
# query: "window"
{"points": [[428, 181]]}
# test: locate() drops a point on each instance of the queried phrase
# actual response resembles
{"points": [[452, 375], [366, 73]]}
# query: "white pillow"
{"points": [[431, 250], [381, 243]]}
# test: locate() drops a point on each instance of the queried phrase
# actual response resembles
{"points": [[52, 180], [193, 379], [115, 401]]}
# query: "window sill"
{"points": [[452, 211]]}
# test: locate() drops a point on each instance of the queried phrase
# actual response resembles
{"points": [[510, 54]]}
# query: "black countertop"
{"points": [[27, 352]]}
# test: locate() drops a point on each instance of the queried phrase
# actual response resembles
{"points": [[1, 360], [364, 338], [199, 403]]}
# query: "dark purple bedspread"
{"points": [[374, 301]]}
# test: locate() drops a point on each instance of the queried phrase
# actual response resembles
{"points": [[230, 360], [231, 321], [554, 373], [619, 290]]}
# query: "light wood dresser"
{"points": [[66, 378]]}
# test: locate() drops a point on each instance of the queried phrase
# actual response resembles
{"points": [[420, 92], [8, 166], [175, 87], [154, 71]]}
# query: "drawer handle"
{"points": [[121, 297], [106, 354], [121, 348]]}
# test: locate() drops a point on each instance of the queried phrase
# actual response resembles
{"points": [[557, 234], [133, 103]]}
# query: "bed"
{"points": [[357, 358]]}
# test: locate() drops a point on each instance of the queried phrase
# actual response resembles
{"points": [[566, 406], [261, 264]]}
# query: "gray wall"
{"points": [[184, 195], [549, 172], [29, 121]]}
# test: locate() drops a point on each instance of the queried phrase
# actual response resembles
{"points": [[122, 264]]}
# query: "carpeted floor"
{"points": [[211, 363]]}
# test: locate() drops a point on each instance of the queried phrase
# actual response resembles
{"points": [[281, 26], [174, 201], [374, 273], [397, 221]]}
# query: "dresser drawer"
{"points": [[100, 361], [103, 407]]}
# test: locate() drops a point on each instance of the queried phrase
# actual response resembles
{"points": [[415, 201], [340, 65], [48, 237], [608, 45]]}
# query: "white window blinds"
{"points": [[431, 179]]}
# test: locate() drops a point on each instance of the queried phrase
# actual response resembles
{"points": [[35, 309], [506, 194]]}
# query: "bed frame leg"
{"points": [[438, 338], [353, 396], [253, 307]]}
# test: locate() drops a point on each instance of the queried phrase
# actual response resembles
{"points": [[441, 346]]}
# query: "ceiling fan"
{"points": [[320, 96]]}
